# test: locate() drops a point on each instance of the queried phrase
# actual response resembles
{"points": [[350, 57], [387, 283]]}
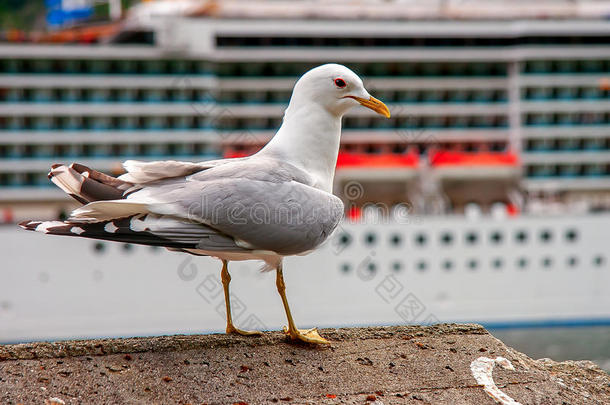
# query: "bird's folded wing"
{"points": [[139, 172], [261, 204], [168, 193], [287, 217]]}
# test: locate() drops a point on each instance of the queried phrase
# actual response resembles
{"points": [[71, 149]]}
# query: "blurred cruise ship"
{"points": [[484, 198]]}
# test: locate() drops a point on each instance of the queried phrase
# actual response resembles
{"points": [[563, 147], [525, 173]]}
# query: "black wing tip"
{"points": [[79, 167], [54, 166], [79, 199], [29, 225]]}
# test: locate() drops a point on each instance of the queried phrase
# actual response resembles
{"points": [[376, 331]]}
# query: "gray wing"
{"points": [[261, 203], [139, 172]]}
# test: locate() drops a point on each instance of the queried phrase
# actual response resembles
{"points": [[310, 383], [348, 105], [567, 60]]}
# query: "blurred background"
{"points": [[485, 198]]}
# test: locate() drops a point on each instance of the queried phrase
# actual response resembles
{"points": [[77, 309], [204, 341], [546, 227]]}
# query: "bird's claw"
{"points": [[306, 335], [233, 329]]}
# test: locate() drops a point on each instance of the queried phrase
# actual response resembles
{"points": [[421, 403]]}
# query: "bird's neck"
{"points": [[309, 139]]}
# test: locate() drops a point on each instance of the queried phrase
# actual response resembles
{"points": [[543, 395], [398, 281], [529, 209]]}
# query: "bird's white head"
{"points": [[336, 88], [310, 134]]}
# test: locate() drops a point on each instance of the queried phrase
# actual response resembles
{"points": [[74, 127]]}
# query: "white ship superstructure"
{"points": [[480, 197]]}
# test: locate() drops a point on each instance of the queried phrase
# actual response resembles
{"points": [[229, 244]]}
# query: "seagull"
{"points": [[275, 203]]}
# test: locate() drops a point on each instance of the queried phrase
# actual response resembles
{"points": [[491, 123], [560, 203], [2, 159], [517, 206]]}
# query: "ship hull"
{"points": [[418, 271]]}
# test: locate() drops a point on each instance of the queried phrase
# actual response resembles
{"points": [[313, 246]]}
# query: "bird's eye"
{"points": [[340, 83]]}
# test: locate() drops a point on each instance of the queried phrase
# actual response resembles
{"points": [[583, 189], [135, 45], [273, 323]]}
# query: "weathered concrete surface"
{"points": [[402, 365]]}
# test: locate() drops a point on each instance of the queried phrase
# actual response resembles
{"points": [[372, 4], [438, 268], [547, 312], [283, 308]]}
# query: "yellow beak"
{"points": [[374, 104]]}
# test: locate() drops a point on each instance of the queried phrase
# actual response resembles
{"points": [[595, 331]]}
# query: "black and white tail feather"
{"points": [[86, 185], [115, 221], [144, 229]]}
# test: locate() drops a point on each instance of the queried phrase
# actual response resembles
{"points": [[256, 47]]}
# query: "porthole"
{"points": [[472, 264], [521, 236], [522, 262], [571, 235], [447, 265], [5, 305], [370, 238], [127, 247], [421, 239], [497, 263], [572, 261], [472, 238], [396, 267], [547, 262], [422, 266], [599, 260], [344, 239], [546, 236], [99, 247], [446, 238], [396, 239], [496, 237], [371, 267], [346, 268]]}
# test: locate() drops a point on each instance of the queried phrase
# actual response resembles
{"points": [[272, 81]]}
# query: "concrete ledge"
{"points": [[403, 365]]}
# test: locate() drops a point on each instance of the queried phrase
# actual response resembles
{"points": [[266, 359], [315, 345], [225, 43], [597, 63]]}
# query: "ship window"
{"points": [[447, 265], [422, 266], [127, 247], [44, 277], [446, 238], [572, 261], [522, 263], [421, 239], [370, 238], [346, 268], [473, 264], [396, 239], [571, 235], [547, 262], [496, 237], [344, 239], [371, 267], [99, 247], [397, 266], [521, 236], [497, 263], [546, 236], [471, 238], [598, 260]]}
